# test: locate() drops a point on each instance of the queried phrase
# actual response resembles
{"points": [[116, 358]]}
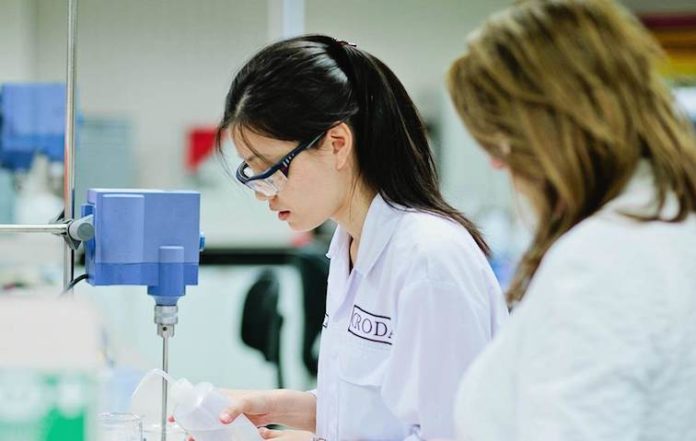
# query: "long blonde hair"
{"points": [[566, 94]]}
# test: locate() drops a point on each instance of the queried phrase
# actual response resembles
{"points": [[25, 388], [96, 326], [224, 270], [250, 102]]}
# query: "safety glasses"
{"points": [[271, 181]]}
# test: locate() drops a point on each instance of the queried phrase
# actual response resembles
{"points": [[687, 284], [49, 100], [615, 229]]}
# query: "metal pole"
{"points": [[165, 368], [69, 167], [52, 228]]}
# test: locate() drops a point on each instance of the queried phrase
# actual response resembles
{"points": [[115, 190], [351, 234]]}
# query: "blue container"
{"points": [[32, 119]]}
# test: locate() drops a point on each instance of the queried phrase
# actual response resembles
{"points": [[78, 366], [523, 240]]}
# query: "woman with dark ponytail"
{"points": [[326, 131]]}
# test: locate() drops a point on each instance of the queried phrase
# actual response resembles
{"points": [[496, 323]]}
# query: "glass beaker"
{"points": [[153, 432], [119, 427]]}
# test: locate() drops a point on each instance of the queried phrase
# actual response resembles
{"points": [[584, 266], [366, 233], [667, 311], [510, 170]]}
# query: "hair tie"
{"points": [[346, 43]]}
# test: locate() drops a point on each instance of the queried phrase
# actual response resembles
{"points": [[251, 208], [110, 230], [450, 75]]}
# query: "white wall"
{"points": [[17, 40], [164, 63], [166, 66], [415, 38]]}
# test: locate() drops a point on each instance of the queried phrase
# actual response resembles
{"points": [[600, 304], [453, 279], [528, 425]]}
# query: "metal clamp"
{"points": [[76, 230], [165, 318]]}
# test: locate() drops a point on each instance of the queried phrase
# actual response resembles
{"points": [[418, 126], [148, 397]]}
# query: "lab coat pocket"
{"points": [[363, 365], [363, 414]]}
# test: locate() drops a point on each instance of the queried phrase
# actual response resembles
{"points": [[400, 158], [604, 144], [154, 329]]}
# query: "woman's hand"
{"points": [[259, 406], [287, 407], [286, 435]]}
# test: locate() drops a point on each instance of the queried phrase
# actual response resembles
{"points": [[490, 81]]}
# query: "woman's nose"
{"points": [[263, 197]]}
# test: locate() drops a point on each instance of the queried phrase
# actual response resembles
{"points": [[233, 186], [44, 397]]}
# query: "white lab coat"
{"points": [[402, 327], [603, 346]]}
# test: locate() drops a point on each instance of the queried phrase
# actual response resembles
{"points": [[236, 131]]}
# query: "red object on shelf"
{"points": [[669, 21], [201, 144]]}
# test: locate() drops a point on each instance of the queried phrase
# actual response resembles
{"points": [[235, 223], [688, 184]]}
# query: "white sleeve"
{"points": [[440, 328], [586, 354]]}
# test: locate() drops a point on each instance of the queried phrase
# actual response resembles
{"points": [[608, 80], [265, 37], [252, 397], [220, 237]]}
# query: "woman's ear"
{"points": [[340, 138], [504, 148], [496, 163]]}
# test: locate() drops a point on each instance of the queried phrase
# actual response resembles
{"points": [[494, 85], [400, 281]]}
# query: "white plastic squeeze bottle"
{"points": [[197, 410]]}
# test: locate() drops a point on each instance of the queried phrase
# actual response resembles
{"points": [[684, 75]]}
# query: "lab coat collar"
{"points": [[379, 226], [639, 196], [339, 242]]}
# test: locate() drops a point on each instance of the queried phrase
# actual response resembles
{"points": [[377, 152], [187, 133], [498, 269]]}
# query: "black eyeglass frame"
{"points": [[283, 165]]}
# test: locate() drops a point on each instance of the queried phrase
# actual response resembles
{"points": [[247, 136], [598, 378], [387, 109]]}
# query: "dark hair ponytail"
{"points": [[294, 89]]}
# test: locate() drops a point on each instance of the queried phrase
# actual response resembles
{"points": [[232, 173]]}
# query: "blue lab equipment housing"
{"points": [[32, 120], [144, 237]]}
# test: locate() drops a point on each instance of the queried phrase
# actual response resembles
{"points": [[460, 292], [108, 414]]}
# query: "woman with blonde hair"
{"points": [[602, 341]]}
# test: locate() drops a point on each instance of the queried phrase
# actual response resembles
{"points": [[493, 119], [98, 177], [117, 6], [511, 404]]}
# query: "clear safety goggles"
{"points": [[271, 181]]}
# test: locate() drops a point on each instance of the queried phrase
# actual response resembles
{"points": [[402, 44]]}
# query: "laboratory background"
{"points": [[148, 88]]}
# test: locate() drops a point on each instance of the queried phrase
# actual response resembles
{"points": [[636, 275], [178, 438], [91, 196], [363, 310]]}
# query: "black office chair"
{"points": [[261, 321], [313, 266]]}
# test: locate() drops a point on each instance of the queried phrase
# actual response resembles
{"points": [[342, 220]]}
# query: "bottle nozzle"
{"points": [[182, 390]]}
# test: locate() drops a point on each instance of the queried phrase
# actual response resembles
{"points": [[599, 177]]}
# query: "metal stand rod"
{"points": [[165, 368], [51, 228], [69, 161]]}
